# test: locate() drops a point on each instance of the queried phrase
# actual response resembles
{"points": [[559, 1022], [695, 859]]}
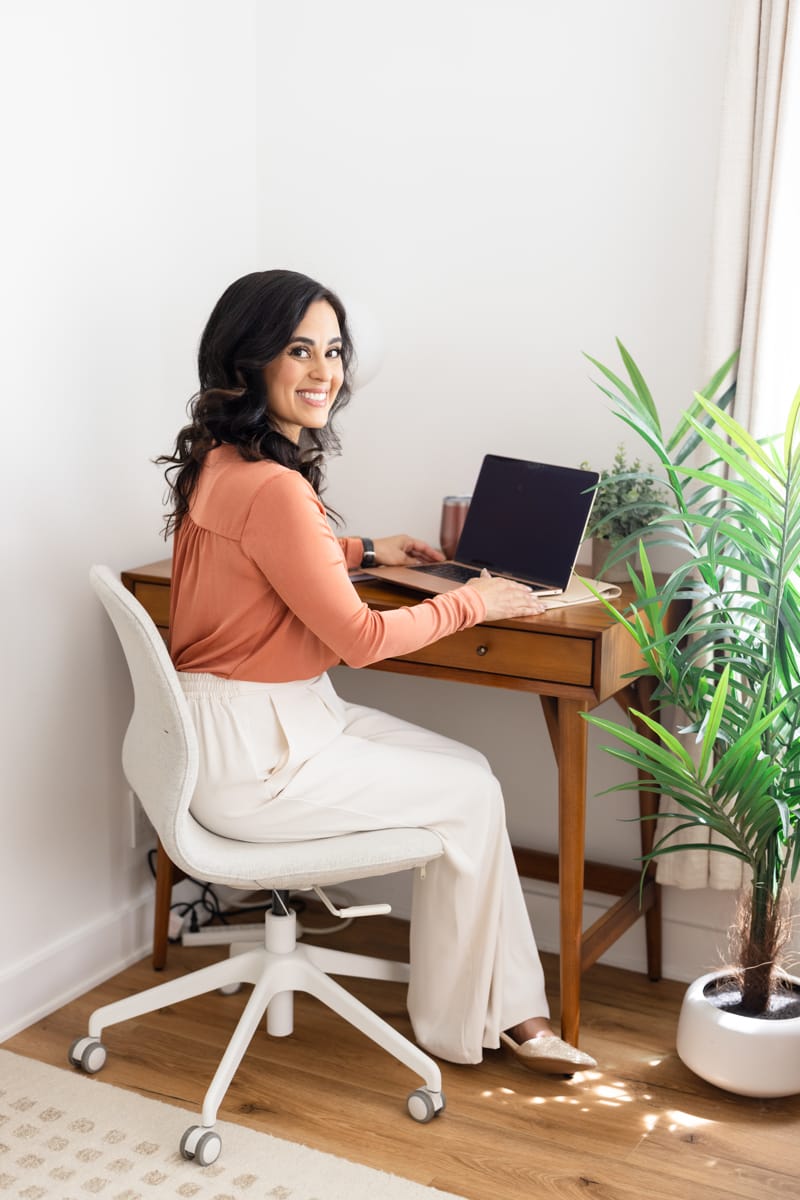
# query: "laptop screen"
{"points": [[527, 519]]}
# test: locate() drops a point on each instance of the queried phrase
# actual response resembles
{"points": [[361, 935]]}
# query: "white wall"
{"points": [[502, 185], [129, 202]]}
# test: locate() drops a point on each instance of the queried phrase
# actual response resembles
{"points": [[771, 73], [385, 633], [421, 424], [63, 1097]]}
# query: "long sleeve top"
{"points": [[260, 586]]}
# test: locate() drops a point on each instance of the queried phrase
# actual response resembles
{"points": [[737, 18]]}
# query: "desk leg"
{"points": [[638, 695], [572, 748], [648, 806], [165, 877]]}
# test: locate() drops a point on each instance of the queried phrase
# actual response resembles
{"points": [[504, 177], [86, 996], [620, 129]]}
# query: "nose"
{"points": [[321, 367], [324, 369]]}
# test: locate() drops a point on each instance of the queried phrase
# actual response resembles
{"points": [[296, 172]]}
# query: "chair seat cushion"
{"points": [[301, 864]]}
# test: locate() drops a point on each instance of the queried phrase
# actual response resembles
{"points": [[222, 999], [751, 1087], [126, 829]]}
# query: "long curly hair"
{"points": [[251, 324]]}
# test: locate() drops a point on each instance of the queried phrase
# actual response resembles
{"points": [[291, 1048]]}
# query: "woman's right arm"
{"points": [[288, 536]]}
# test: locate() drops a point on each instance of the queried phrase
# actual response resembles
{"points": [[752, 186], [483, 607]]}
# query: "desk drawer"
{"points": [[154, 598], [511, 652]]}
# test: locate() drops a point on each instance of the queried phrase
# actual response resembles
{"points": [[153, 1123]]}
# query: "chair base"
{"points": [[240, 938], [276, 970]]}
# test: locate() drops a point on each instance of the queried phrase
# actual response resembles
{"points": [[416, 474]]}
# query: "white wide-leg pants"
{"points": [[289, 761]]}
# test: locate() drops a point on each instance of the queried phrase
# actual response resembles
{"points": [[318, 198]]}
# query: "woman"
{"points": [[262, 606]]}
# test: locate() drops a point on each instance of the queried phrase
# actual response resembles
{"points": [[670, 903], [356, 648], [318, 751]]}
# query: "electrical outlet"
{"points": [[175, 926], [141, 831]]}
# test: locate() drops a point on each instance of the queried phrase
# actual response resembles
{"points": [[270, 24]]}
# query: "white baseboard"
{"points": [[35, 986], [691, 945], [695, 929], [695, 923]]}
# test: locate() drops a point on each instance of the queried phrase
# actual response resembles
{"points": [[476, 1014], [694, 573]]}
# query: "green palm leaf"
{"points": [[733, 664]]}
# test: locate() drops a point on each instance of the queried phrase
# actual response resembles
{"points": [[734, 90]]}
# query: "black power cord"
{"points": [[207, 909]]}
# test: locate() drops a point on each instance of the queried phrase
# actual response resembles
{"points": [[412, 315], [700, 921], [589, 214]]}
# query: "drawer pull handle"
{"points": [[481, 650]]}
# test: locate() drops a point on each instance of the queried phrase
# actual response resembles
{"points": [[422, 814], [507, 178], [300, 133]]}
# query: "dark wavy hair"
{"points": [[251, 324]]}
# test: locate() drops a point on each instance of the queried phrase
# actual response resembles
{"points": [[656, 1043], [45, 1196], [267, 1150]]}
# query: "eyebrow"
{"points": [[307, 341]]}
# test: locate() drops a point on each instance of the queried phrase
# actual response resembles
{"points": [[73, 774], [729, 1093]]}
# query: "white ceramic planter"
{"points": [[740, 1054]]}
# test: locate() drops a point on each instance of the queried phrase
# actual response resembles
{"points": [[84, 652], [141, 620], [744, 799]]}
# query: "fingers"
{"points": [[401, 550], [421, 552], [505, 598], [529, 605]]}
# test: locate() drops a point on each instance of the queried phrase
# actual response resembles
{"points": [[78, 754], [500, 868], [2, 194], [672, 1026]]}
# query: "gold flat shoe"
{"points": [[549, 1054]]}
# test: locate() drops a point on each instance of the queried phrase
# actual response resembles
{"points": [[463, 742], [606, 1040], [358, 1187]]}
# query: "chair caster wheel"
{"points": [[88, 1054], [424, 1105], [200, 1145]]}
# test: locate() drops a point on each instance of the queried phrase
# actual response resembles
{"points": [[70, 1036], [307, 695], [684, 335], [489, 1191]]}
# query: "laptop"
{"points": [[526, 521]]}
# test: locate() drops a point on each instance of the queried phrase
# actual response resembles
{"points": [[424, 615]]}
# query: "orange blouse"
{"points": [[260, 589]]}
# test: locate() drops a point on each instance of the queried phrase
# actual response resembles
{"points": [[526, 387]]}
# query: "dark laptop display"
{"points": [[526, 520]]}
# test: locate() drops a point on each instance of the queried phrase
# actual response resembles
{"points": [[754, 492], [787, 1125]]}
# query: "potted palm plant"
{"points": [[732, 668]]}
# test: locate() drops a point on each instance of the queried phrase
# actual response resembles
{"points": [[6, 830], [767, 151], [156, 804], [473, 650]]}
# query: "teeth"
{"points": [[313, 395]]}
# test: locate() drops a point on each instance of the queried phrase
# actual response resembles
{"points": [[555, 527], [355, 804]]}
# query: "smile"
{"points": [[318, 398]]}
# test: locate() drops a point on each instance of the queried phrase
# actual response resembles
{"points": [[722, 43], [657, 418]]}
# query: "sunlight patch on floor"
{"points": [[613, 1091], [590, 1091], [683, 1120]]}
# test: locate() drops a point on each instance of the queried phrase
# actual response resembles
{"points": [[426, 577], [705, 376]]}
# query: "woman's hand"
{"points": [[504, 598], [400, 550]]}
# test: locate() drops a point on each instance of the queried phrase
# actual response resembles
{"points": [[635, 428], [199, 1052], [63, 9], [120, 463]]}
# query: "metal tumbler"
{"points": [[454, 513]]}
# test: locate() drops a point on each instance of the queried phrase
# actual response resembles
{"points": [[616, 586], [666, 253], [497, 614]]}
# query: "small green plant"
{"points": [[627, 499]]}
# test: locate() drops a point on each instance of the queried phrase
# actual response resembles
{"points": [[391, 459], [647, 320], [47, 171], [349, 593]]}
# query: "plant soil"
{"points": [[784, 1001]]}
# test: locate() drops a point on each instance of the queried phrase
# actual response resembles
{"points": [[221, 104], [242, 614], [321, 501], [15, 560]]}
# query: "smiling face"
{"points": [[303, 381]]}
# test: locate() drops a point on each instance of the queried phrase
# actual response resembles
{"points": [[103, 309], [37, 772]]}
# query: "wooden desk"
{"points": [[573, 659]]}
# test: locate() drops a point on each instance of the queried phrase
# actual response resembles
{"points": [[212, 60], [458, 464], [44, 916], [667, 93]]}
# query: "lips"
{"points": [[318, 399]]}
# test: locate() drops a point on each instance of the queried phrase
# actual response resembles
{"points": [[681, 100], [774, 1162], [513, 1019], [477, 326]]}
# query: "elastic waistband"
{"points": [[195, 683]]}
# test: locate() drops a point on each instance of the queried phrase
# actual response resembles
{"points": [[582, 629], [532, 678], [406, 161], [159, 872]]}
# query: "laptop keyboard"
{"points": [[449, 570], [459, 574]]}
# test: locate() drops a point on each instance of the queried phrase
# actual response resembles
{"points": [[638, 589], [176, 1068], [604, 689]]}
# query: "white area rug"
{"points": [[67, 1136]]}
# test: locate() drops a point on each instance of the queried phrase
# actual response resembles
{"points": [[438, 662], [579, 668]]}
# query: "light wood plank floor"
{"points": [[640, 1126]]}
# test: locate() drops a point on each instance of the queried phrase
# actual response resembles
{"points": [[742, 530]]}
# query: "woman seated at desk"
{"points": [[262, 606]]}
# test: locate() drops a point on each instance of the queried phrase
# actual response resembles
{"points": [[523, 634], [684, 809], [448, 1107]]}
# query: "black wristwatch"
{"points": [[368, 558]]}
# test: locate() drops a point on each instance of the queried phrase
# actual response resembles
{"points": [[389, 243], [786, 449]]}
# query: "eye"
{"points": [[334, 352], [299, 351]]}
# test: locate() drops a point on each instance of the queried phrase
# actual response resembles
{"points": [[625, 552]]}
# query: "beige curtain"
{"points": [[754, 299]]}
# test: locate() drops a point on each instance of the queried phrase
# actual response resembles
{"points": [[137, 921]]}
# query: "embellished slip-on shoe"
{"points": [[549, 1054]]}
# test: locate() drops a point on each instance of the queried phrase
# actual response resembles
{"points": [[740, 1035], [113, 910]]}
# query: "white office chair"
{"points": [[159, 758]]}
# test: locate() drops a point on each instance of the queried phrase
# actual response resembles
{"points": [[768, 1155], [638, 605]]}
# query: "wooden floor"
{"points": [[639, 1126]]}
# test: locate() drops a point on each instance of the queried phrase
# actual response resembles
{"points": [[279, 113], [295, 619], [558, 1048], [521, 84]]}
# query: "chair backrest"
{"points": [[159, 753]]}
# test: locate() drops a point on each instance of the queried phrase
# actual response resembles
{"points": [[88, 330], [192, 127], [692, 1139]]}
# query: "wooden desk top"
{"points": [[577, 619], [576, 652]]}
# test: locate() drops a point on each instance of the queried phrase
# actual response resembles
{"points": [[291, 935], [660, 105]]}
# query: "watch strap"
{"points": [[368, 558]]}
